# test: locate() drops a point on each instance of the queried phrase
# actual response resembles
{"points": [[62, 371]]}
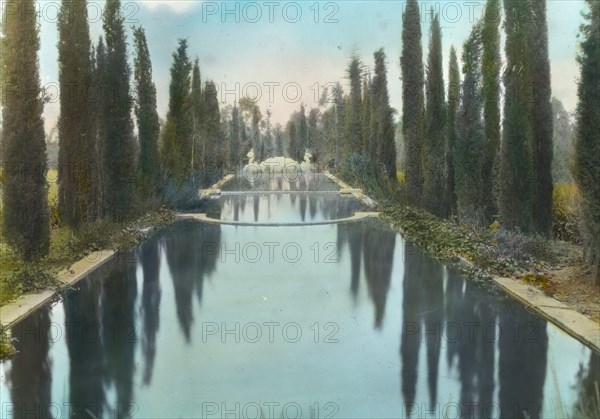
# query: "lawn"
{"points": [[60, 251]]}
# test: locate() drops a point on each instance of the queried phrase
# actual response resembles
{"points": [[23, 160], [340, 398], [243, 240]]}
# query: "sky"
{"points": [[285, 53]]}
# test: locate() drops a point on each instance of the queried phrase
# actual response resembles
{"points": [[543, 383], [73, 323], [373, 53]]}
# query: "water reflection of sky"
{"points": [[358, 284]]}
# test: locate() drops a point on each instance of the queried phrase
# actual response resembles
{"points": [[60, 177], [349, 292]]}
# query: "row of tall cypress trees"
{"points": [[193, 150], [458, 160], [102, 167], [355, 127], [97, 148]]}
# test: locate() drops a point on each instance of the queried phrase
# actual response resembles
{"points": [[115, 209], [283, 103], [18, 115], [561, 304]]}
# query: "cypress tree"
{"points": [[256, 137], [77, 180], [516, 177], [435, 142], [293, 138], [170, 162], [412, 99], [314, 135], [366, 116], [492, 63], [469, 145], [146, 114], [118, 144], [587, 139], [25, 214], [353, 129], [99, 74], [279, 141], [198, 158], [268, 141], [453, 103], [339, 118], [95, 117], [216, 150], [542, 120], [177, 145], [235, 138], [384, 134], [302, 134], [246, 144]]}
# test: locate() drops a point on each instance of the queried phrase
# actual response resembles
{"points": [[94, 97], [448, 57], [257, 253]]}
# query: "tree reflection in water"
{"points": [[150, 309], [30, 375], [191, 252]]}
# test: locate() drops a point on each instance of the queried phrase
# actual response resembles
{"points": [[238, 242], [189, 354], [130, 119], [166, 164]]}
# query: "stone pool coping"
{"points": [[565, 318], [550, 309], [358, 216], [24, 305]]}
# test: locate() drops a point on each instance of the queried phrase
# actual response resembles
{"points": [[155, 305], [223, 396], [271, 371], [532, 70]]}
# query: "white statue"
{"points": [[307, 157]]}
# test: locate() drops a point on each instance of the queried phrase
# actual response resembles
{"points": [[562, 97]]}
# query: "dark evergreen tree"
{"points": [[491, 61], [235, 138], [268, 140], [382, 113], [434, 147], [216, 148], [177, 146], [339, 118], [302, 134], [353, 129], [314, 134], [101, 97], [77, 164], [453, 105], [25, 214], [469, 145], [542, 124], [279, 140], [412, 99], [246, 144], [292, 134], [118, 144], [196, 113], [147, 116], [516, 177], [366, 116], [256, 134], [587, 140]]}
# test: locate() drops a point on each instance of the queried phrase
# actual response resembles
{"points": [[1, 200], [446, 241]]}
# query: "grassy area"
{"points": [[66, 247], [493, 251], [565, 198], [482, 252], [401, 177]]}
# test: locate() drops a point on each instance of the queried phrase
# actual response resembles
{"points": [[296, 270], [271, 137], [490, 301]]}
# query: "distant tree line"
{"points": [[354, 132]]}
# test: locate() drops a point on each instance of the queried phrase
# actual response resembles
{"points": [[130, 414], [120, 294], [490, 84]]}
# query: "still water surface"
{"points": [[345, 321]]}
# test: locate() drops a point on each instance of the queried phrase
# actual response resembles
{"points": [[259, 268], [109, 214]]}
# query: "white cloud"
{"points": [[178, 6]]}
